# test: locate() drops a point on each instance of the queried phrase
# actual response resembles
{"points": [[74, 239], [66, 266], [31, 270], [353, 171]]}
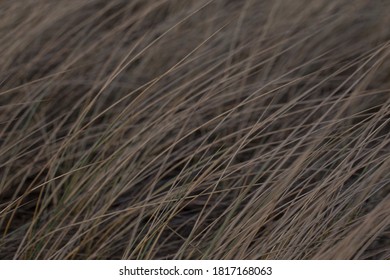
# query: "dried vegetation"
{"points": [[177, 129]]}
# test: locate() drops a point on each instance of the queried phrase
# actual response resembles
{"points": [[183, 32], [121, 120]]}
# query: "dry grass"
{"points": [[177, 129]]}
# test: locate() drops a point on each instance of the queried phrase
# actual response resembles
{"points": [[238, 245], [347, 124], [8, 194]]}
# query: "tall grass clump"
{"points": [[195, 129]]}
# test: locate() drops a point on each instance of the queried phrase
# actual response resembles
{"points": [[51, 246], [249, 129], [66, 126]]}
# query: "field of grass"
{"points": [[194, 129]]}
